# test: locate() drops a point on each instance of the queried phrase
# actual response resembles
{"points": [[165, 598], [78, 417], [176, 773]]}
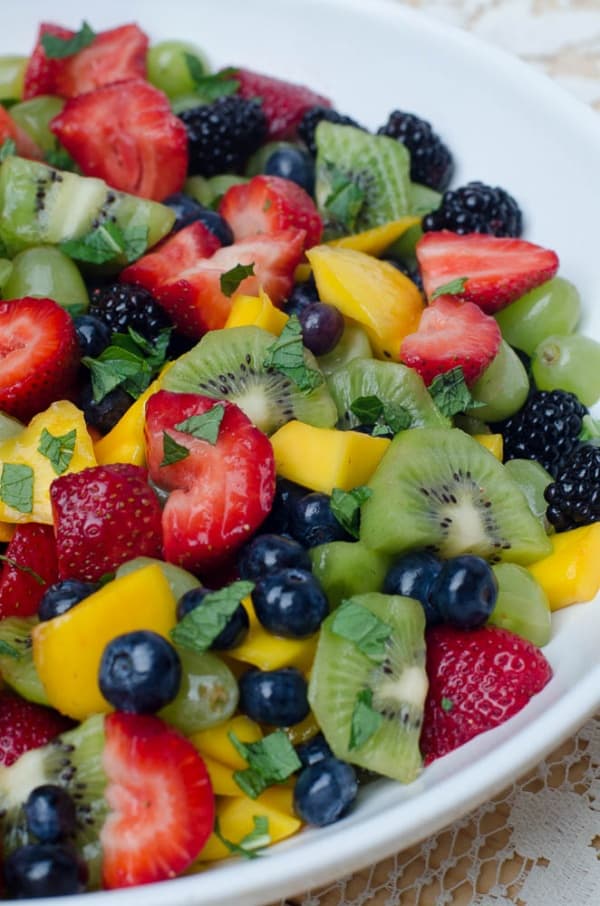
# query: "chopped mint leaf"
{"points": [[270, 760], [386, 418], [210, 86], [355, 623], [286, 355], [365, 720], [130, 362], [454, 288], [106, 242], [345, 506], [60, 158], [58, 48], [367, 409], [447, 704], [451, 394], [205, 426], [24, 569], [105, 578], [7, 650], [16, 486], [7, 103], [58, 449], [231, 279], [172, 451], [250, 846], [8, 148], [201, 626], [590, 429], [345, 200]]}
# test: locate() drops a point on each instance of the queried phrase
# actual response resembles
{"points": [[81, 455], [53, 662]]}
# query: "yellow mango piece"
{"points": [[383, 301], [324, 458], [302, 273], [59, 419], [7, 530], [269, 652], [377, 240], [221, 777], [571, 573], [216, 744], [257, 311], [492, 442], [303, 731], [67, 649]]}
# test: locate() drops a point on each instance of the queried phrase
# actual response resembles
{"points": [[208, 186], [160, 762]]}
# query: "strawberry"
{"points": [[25, 726], [268, 204], [496, 270], [283, 103], [161, 801], [450, 334], [42, 71], [477, 680], [39, 355], [221, 492], [33, 547], [104, 516], [25, 145], [127, 135]]}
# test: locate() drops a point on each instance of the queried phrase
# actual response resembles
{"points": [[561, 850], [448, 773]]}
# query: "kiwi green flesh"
{"points": [[20, 673], [490, 390], [533, 480], [522, 605], [74, 761], [353, 344], [398, 685], [441, 490], [347, 568], [228, 364]]}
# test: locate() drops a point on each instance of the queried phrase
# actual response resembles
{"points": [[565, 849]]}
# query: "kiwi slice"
{"points": [[229, 364], [74, 761], [346, 568], [19, 672], [368, 698], [353, 344], [522, 605], [395, 385], [423, 199], [6, 268], [441, 490]]}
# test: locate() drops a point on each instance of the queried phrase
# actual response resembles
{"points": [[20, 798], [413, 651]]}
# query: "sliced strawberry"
{"points": [[497, 271], [477, 680], [116, 55], [104, 516], [194, 300], [268, 204], [25, 726], [127, 135], [175, 254], [450, 334], [32, 550], [283, 103], [220, 493], [25, 145], [42, 71], [39, 356], [161, 801]]}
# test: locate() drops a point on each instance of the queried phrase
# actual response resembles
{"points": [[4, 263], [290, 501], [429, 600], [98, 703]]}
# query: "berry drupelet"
{"points": [[574, 498], [123, 305], [223, 135], [431, 162], [476, 208], [311, 119]]}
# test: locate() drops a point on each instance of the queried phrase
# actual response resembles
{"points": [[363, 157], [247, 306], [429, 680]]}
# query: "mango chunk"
{"points": [[7, 530], [270, 652], [216, 744], [221, 777], [378, 239], [258, 311], [324, 458], [67, 650], [492, 442], [571, 573]]}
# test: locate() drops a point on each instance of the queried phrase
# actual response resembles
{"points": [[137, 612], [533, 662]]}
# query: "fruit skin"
{"points": [[122, 305], [50, 813], [476, 208], [465, 592], [43, 870], [294, 164], [33, 547], [313, 522], [477, 680], [283, 103], [552, 308], [256, 311], [222, 135], [322, 327], [9, 129], [41, 72], [187, 210], [568, 363], [414, 576], [573, 499], [275, 697], [140, 672], [267, 553], [290, 603], [315, 115], [313, 751], [25, 726], [571, 573], [431, 162], [324, 791]]}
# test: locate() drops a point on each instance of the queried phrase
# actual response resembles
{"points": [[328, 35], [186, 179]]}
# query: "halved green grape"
{"points": [[179, 579], [9, 426], [569, 363], [208, 694], [34, 117], [12, 70], [471, 425], [210, 191], [168, 68], [521, 606], [552, 308], [533, 480], [502, 388], [5, 272], [256, 163], [46, 272]]}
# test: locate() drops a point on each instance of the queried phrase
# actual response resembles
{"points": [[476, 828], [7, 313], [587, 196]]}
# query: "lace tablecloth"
{"points": [[538, 843]]}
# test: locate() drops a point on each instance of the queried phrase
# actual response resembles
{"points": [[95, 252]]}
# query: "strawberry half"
{"points": [[283, 103], [220, 493], [42, 71], [451, 334], [496, 271], [25, 726], [477, 680], [32, 549], [161, 801], [268, 204], [25, 145], [104, 516], [127, 135], [39, 356]]}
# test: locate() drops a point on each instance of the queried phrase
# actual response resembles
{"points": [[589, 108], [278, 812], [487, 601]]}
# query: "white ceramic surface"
{"points": [[506, 125]]}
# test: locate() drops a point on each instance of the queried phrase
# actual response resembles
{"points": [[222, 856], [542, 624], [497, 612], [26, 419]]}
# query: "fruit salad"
{"points": [[296, 459]]}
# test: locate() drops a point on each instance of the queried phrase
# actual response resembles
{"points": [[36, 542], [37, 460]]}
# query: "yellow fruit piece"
{"points": [[492, 442], [571, 573], [268, 651], [7, 530], [323, 458], [376, 241], [302, 273], [257, 311], [383, 301], [221, 777], [303, 731], [215, 741], [67, 650], [23, 449]]}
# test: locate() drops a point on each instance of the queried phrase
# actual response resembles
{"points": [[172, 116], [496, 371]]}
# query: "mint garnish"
{"points": [[345, 506], [358, 625], [231, 279], [16, 486], [365, 720], [57, 48], [286, 355], [205, 426], [58, 449], [201, 626], [270, 760]]}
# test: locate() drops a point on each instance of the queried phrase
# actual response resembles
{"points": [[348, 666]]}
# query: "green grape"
{"points": [[210, 191], [12, 70], [47, 273], [423, 199], [533, 480], [522, 606], [34, 117], [5, 272], [179, 579], [569, 363], [185, 102], [552, 308], [502, 388], [168, 68], [471, 425], [208, 694], [9, 426], [404, 248], [256, 163]]}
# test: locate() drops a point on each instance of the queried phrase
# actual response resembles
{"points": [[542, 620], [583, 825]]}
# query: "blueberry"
{"points": [[232, 634], [290, 603], [62, 596], [413, 576], [44, 870], [269, 552], [276, 697], [278, 520], [188, 210], [312, 521], [465, 591], [140, 672], [324, 791], [303, 294], [322, 326], [294, 164], [93, 335], [50, 813], [316, 749], [105, 413]]}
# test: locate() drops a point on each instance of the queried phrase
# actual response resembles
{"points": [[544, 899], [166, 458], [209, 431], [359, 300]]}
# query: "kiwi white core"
{"points": [[410, 688], [25, 775], [466, 530]]}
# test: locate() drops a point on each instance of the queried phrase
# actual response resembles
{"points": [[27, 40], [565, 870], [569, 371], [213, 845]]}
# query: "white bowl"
{"points": [[509, 126]]}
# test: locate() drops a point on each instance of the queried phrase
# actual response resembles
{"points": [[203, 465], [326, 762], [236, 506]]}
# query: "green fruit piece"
{"points": [[423, 200], [180, 580], [12, 71], [361, 180], [208, 694], [522, 606], [470, 425], [404, 248], [353, 344], [210, 191], [256, 162], [502, 388], [533, 480], [440, 489], [20, 673], [9, 426], [198, 188], [34, 117], [370, 708], [552, 308], [347, 568], [5, 272], [229, 364], [168, 68], [569, 363], [45, 272]]}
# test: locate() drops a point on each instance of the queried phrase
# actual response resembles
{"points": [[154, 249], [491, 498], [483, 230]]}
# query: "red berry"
{"points": [[30, 567], [25, 726], [283, 103]]}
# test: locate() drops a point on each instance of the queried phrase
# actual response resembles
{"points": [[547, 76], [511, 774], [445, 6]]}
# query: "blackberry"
{"points": [[123, 305], [312, 118], [574, 498], [545, 429], [223, 135], [476, 208], [105, 414], [431, 162]]}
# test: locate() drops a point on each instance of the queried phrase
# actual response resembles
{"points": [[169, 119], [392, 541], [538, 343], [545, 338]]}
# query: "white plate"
{"points": [[509, 126]]}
